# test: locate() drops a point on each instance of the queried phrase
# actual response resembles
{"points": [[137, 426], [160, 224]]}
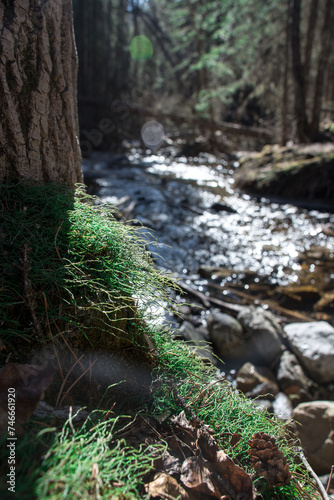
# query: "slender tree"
{"points": [[327, 39], [302, 126]]}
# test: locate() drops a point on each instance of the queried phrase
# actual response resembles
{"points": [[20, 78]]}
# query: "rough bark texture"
{"points": [[38, 103]]}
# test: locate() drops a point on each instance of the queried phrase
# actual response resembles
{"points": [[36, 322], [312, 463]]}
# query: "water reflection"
{"points": [[200, 220]]}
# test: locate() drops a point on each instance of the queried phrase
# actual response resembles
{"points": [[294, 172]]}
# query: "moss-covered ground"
{"points": [[76, 290]]}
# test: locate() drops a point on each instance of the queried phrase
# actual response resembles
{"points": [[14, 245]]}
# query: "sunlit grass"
{"points": [[73, 275]]}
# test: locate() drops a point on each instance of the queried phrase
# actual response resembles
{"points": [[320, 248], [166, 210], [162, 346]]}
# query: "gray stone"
{"points": [[264, 404], [282, 406], [44, 410], [264, 334], [265, 390], [290, 375], [313, 344], [226, 334], [249, 376], [196, 338], [316, 433]]}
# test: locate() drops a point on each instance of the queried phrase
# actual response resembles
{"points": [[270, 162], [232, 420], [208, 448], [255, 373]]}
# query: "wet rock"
{"points": [[282, 406], [316, 433], [226, 334], [313, 344], [262, 332], [299, 172], [324, 391], [222, 207], [249, 376], [197, 338], [44, 410], [265, 390], [265, 404], [290, 375]]}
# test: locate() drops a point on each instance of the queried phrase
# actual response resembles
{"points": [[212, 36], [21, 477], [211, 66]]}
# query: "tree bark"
{"points": [[38, 103], [285, 93], [323, 58], [312, 22], [302, 132]]}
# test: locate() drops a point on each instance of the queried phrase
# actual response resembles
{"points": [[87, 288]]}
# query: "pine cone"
{"points": [[268, 461]]}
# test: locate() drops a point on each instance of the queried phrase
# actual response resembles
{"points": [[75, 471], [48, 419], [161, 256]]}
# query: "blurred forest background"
{"points": [[231, 71]]}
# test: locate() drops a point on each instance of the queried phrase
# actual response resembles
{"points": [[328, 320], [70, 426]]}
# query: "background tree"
{"points": [[39, 125], [253, 62]]}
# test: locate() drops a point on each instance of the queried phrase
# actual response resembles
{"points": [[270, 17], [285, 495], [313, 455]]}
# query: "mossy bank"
{"points": [[301, 173], [76, 284], [76, 289]]}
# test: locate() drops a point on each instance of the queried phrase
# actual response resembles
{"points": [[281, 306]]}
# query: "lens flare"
{"points": [[152, 134], [141, 48]]}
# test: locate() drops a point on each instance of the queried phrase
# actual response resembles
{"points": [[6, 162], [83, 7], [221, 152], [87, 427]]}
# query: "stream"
{"points": [[200, 228]]}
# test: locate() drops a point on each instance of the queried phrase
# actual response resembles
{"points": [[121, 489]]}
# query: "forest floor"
{"points": [[76, 290]]}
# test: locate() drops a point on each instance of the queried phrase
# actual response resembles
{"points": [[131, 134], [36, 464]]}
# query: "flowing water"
{"points": [[197, 219]]}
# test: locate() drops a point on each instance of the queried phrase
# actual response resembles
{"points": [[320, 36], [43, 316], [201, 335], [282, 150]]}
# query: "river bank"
{"points": [[235, 256]]}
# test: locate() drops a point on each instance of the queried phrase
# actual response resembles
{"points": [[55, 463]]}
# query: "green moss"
{"points": [[73, 273], [74, 280]]}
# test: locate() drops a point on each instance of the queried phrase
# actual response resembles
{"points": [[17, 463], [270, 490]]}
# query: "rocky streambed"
{"points": [[257, 278]]}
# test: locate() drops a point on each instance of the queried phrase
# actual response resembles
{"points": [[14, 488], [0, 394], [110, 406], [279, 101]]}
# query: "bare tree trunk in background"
{"points": [[285, 93], [302, 132], [324, 56], [38, 103], [312, 22]]}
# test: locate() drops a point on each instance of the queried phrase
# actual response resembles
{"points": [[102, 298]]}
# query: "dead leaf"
{"points": [[236, 481], [171, 464], [196, 474], [28, 383], [165, 486]]}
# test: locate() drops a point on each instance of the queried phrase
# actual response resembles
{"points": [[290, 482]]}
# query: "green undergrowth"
{"points": [[83, 460], [71, 272], [76, 280], [224, 409]]}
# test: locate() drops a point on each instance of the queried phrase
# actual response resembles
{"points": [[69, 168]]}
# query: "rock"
{"points": [[222, 207], [299, 172], [282, 406], [265, 390], [196, 338], [44, 410], [264, 404], [290, 375], [316, 433], [226, 334], [263, 332], [249, 376], [313, 344]]}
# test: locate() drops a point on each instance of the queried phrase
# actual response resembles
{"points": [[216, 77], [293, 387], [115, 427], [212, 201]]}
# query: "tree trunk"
{"points": [[312, 22], [324, 56], [285, 93], [302, 132], [38, 104]]}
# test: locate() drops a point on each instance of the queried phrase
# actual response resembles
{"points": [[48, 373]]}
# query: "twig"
{"points": [[330, 479], [76, 381], [56, 248], [65, 379], [320, 486], [303, 493]]}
